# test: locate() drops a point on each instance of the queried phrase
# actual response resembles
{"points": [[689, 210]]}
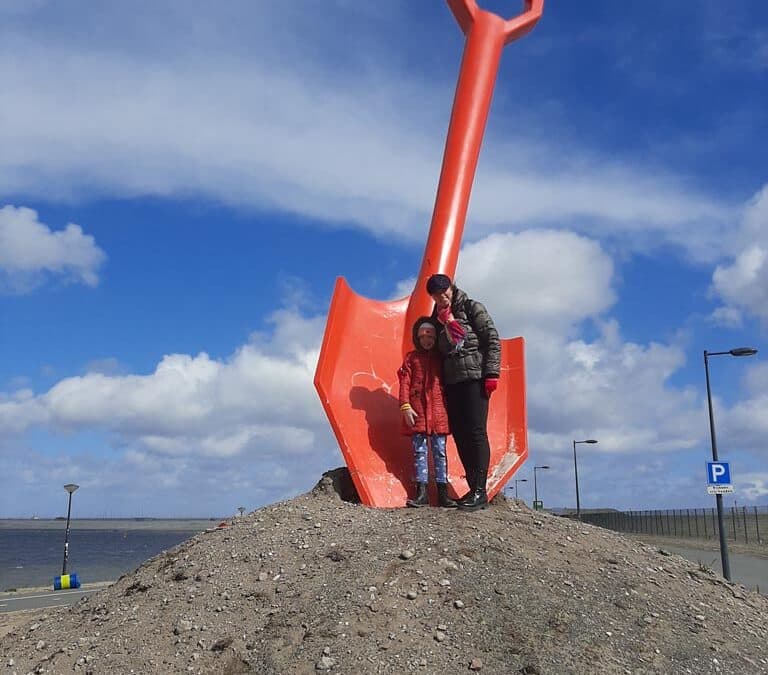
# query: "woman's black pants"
{"points": [[468, 416]]}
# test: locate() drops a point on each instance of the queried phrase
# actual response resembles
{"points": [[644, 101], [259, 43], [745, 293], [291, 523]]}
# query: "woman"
{"points": [[470, 345]]}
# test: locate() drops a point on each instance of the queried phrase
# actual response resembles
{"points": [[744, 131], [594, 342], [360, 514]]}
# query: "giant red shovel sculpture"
{"points": [[365, 340]]}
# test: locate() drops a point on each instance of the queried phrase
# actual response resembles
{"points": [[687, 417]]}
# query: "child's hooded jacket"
{"points": [[420, 385]]}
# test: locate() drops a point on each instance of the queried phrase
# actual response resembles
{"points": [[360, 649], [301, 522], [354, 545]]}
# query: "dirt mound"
{"points": [[322, 584]]}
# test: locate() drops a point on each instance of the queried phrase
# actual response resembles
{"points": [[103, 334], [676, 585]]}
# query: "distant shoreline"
{"points": [[93, 585], [180, 524]]}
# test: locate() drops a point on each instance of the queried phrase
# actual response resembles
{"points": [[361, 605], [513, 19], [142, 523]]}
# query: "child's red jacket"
{"points": [[421, 386]]}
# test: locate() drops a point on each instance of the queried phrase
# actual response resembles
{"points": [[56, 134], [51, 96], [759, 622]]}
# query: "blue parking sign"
{"points": [[718, 473]]}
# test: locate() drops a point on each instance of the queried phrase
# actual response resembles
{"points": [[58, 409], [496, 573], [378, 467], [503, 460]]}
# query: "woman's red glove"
{"points": [[490, 385]]}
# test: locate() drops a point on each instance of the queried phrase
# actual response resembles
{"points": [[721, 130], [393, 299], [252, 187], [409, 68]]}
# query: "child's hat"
{"points": [[425, 324]]}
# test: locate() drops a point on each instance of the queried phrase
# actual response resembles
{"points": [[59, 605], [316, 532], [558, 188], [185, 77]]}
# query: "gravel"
{"points": [[321, 584]]}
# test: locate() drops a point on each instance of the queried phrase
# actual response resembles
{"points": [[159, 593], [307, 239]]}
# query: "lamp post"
{"points": [[739, 351], [519, 480], [536, 485], [69, 487], [576, 473]]}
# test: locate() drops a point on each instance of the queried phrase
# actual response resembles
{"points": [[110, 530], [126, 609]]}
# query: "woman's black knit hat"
{"points": [[438, 283]]}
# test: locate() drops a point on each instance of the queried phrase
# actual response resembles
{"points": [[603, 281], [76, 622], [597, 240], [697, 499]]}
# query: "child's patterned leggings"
{"points": [[421, 444]]}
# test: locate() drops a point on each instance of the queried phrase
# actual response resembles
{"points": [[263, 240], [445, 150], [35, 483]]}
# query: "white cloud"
{"points": [[260, 401], [746, 422], [544, 285], [742, 283], [539, 282], [755, 377], [745, 281], [19, 411], [753, 486], [30, 250], [267, 129], [729, 317], [254, 422], [106, 366], [599, 195], [251, 422], [247, 105]]}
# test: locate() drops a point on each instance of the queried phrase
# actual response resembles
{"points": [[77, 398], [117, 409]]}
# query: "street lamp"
{"points": [[536, 485], [576, 473], [519, 480], [69, 487], [739, 351]]}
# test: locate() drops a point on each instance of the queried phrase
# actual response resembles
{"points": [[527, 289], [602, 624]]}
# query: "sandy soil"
{"points": [[319, 584], [9, 621]]}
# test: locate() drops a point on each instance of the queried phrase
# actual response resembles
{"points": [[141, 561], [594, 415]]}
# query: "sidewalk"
{"points": [[749, 562], [752, 549]]}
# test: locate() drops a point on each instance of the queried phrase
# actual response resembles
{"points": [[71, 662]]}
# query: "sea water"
{"points": [[30, 558]]}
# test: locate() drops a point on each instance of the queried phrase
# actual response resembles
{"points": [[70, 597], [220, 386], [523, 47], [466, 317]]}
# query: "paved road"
{"points": [[745, 569], [37, 599]]}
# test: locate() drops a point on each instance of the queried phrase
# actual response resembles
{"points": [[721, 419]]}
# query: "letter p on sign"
{"points": [[718, 473]]}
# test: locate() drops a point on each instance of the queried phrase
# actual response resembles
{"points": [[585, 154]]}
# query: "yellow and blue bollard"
{"points": [[66, 581]]}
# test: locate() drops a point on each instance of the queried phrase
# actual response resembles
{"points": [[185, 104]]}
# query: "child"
{"points": [[424, 415]]}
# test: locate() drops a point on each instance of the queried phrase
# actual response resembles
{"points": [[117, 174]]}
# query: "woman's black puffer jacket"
{"points": [[480, 356]]}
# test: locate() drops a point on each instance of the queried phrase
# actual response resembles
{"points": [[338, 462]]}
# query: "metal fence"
{"points": [[745, 524]]}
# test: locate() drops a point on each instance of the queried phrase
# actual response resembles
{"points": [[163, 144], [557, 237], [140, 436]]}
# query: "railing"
{"points": [[745, 524]]}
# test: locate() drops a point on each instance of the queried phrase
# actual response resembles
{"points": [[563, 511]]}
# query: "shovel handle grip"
{"points": [[465, 12]]}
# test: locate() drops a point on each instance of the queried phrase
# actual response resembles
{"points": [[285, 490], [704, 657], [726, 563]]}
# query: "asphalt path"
{"points": [[745, 569], [40, 598]]}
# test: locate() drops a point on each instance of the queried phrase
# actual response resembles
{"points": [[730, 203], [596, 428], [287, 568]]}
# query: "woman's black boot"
{"points": [[421, 499], [442, 497], [478, 498], [471, 483]]}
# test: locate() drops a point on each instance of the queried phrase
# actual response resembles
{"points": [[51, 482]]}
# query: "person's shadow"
{"points": [[382, 414]]}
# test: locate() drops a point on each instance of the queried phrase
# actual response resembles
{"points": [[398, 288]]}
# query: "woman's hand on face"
{"points": [[443, 299], [444, 314]]}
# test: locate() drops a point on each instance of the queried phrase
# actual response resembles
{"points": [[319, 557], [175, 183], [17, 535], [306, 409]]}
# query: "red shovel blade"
{"points": [[357, 381], [507, 420]]}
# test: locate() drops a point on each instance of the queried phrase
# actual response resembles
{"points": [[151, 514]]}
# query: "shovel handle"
{"points": [[486, 34]]}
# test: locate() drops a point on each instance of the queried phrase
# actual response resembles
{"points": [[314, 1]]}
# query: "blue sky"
{"points": [[180, 184]]}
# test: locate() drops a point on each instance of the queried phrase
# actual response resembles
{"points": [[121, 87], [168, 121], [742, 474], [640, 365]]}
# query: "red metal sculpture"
{"points": [[365, 340]]}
